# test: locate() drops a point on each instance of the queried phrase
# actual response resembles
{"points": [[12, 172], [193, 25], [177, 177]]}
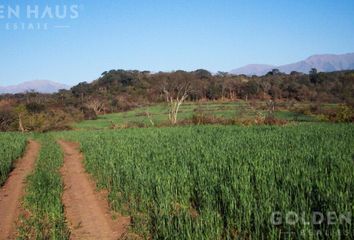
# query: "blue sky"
{"points": [[169, 35]]}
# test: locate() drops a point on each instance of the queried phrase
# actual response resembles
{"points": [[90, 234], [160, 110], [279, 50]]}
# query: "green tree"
{"points": [[313, 75]]}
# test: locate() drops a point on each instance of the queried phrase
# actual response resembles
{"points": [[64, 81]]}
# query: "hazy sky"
{"points": [[165, 35]]}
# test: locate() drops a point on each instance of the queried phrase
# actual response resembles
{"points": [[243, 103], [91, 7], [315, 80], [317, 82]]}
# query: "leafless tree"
{"points": [[176, 92], [96, 105], [271, 107], [150, 118], [266, 86], [21, 111]]}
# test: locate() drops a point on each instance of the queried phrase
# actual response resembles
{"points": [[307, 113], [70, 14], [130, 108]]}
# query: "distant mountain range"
{"points": [[323, 63], [42, 86]]}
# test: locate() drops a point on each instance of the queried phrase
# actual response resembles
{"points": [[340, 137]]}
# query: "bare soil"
{"points": [[13, 190], [86, 209]]}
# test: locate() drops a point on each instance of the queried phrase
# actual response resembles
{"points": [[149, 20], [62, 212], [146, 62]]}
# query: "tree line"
{"points": [[121, 90]]}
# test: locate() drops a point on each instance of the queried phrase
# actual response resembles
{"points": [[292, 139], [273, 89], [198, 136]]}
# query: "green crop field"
{"points": [[226, 182], [239, 110], [12, 145]]}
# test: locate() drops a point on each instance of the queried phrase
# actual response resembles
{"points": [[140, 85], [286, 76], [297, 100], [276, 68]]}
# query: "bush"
{"points": [[345, 113], [53, 120], [35, 107], [89, 114], [271, 120], [8, 120]]}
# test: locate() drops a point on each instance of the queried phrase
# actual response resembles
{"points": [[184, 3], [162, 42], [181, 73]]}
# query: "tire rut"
{"points": [[86, 210], [13, 190]]}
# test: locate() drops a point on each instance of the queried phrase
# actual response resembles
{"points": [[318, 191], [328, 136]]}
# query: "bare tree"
{"points": [[150, 118], [266, 86], [176, 92], [271, 107], [96, 105], [21, 111]]}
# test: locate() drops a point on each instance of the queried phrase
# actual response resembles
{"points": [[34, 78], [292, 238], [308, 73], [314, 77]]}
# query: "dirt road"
{"points": [[12, 191], [86, 210]]}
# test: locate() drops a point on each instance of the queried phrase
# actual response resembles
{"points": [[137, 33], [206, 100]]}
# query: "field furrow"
{"points": [[86, 210], [12, 192]]}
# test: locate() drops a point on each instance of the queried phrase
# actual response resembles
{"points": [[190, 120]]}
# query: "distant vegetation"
{"points": [[119, 91], [201, 113]]}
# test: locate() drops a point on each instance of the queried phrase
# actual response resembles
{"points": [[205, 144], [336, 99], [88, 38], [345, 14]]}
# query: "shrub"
{"points": [[345, 113], [34, 107], [271, 120], [8, 120], [89, 114]]}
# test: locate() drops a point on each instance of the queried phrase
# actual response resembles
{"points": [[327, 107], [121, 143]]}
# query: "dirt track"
{"points": [[12, 192], [86, 210]]}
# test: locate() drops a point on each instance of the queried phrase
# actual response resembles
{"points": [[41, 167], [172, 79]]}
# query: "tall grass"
{"points": [[12, 146], [45, 218], [226, 182]]}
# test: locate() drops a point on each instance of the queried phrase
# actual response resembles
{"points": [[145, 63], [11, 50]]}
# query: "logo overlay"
{"points": [[36, 17]]}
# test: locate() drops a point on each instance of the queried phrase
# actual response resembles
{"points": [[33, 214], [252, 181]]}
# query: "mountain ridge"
{"points": [[42, 86], [322, 62]]}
